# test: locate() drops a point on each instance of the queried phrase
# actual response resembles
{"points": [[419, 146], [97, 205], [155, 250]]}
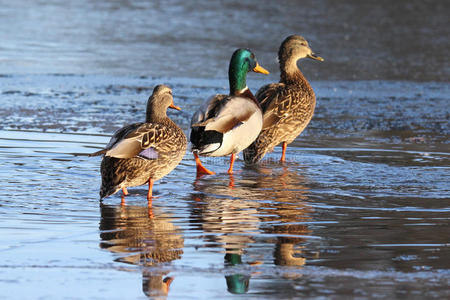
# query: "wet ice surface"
{"points": [[361, 208]]}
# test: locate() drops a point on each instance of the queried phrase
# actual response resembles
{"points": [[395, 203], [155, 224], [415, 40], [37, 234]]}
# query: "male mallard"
{"points": [[227, 124], [143, 152], [287, 106]]}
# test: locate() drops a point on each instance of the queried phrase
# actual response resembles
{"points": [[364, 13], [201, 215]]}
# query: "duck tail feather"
{"points": [[101, 152]]}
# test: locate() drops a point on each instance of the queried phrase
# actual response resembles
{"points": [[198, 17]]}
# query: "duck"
{"points": [[142, 153], [227, 124], [288, 106]]}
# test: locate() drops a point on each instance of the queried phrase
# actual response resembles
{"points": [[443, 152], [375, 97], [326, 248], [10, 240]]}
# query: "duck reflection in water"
{"points": [[145, 238], [269, 201], [237, 283], [285, 216], [229, 223]]}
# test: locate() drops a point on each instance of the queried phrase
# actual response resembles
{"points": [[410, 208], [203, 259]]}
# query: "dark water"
{"points": [[361, 208], [359, 40]]}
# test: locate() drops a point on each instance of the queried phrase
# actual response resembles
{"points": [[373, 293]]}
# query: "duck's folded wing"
{"points": [[276, 103], [227, 122], [117, 136], [140, 142], [265, 94], [122, 133], [207, 110], [234, 111]]}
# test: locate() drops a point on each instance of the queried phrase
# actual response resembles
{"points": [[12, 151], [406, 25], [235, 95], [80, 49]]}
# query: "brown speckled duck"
{"points": [[287, 106], [141, 153]]}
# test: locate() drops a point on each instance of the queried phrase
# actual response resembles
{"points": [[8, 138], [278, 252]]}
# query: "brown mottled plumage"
{"points": [[143, 152], [287, 106]]}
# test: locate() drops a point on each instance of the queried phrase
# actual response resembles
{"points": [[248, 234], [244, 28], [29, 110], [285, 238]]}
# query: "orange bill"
{"points": [[259, 69], [174, 106]]}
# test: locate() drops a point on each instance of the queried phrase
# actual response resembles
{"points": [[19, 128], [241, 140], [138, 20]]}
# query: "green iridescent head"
{"points": [[242, 61]]}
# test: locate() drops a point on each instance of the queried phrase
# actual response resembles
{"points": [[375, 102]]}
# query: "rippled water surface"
{"points": [[360, 209]]}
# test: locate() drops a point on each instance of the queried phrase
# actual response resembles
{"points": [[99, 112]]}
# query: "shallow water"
{"points": [[361, 208]]}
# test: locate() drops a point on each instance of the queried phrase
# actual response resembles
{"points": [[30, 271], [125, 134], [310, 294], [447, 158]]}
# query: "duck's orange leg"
{"points": [[125, 191], [283, 154], [201, 170], [150, 192], [232, 159], [166, 284], [150, 213], [231, 182]]}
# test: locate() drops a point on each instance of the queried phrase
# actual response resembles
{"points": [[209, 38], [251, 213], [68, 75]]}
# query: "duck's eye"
{"points": [[251, 62]]}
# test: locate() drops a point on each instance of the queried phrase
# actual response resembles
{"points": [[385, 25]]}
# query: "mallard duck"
{"points": [[141, 153], [287, 106], [227, 124]]}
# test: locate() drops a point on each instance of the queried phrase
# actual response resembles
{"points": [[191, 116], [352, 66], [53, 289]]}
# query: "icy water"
{"points": [[359, 210]]}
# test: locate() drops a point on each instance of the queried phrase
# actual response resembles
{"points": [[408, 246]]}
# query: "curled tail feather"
{"points": [[101, 152]]}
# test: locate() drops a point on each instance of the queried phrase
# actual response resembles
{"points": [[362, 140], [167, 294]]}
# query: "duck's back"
{"points": [[225, 125], [286, 105]]}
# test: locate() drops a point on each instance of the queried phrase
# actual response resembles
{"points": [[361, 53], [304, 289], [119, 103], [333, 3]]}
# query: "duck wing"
{"points": [[142, 142], [117, 136], [225, 113], [208, 109], [277, 102]]}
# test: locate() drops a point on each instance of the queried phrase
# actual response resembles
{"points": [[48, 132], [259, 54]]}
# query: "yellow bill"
{"points": [[313, 56], [259, 69]]}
